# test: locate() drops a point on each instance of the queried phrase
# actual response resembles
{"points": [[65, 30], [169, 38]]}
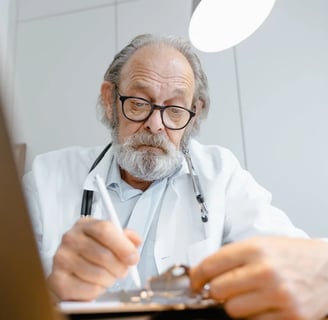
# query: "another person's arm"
{"points": [[268, 278]]}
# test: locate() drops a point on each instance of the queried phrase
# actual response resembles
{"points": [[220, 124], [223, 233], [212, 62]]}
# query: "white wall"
{"points": [[269, 97], [7, 49], [283, 75], [60, 63], [5, 19]]}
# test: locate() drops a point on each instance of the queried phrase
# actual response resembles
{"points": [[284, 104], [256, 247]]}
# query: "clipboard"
{"points": [[108, 306], [167, 296]]}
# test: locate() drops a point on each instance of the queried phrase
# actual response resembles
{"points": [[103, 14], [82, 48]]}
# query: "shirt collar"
{"points": [[114, 182]]}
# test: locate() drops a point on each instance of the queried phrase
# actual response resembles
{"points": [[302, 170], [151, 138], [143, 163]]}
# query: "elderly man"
{"points": [[178, 201]]}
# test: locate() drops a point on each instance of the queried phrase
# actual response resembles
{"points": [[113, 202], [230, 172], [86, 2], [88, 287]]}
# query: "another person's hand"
{"points": [[91, 256], [268, 278]]}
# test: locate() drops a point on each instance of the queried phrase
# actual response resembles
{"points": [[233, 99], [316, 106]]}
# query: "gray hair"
{"points": [[113, 72]]}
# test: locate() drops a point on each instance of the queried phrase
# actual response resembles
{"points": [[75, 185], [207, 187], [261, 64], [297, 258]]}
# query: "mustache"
{"points": [[148, 139], [144, 163]]}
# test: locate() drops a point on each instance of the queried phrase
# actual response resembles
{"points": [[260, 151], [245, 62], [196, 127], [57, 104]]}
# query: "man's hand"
{"points": [[268, 278], [91, 256]]}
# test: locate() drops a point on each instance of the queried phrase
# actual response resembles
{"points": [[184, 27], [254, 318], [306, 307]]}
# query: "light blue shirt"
{"points": [[137, 210]]}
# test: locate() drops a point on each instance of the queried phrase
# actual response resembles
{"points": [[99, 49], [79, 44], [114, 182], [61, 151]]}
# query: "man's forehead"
{"points": [[152, 54], [157, 62], [144, 86]]}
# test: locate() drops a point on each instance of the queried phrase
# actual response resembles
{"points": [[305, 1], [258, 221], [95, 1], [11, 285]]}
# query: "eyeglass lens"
{"points": [[174, 117]]}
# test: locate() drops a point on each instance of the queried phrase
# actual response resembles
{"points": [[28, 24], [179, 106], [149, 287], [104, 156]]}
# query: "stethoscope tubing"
{"points": [[87, 197]]}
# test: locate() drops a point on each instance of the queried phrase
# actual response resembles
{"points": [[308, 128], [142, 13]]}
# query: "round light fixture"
{"points": [[217, 25]]}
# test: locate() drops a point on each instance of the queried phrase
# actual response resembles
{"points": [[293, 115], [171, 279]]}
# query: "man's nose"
{"points": [[154, 123]]}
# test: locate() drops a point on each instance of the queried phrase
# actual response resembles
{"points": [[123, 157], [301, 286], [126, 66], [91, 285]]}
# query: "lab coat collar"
{"points": [[101, 169]]}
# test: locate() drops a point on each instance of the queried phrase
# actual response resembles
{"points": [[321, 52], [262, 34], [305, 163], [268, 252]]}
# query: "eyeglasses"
{"points": [[138, 110]]}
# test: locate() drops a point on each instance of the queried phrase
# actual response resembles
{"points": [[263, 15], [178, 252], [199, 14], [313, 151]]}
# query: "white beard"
{"points": [[146, 163]]}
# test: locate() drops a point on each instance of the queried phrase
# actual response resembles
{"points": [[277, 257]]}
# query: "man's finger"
{"points": [[68, 287], [113, 239], [229, 257], [250, 304]]}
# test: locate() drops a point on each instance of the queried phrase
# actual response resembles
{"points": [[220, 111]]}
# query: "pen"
{"points": [[116, 222]]}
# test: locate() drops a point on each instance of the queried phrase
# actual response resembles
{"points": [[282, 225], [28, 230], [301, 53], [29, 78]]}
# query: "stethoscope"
{"points": [[87, 197]]}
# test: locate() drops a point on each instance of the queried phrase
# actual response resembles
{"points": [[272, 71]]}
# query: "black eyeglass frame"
{"points": [[154, 107]]}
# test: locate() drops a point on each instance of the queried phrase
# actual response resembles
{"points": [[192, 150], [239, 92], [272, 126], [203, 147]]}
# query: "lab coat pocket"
{"points": [[198, 251]]}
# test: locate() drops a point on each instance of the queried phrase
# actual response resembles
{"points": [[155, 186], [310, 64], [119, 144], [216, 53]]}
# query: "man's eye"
{"points": [[175, 111], [139, 103]]}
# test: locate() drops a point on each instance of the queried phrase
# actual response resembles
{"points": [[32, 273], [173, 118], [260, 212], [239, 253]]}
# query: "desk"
{"points": [[190, 314], [203, 314]]}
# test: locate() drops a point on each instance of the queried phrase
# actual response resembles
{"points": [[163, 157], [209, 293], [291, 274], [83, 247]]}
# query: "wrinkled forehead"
{"points": [[160, 58], [158, 62]]}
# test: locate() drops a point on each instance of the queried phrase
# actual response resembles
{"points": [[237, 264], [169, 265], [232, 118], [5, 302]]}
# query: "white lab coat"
{"points": [[238, 207]]}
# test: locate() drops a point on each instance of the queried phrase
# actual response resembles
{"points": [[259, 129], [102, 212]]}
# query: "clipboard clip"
{"points": [[169, 288]]}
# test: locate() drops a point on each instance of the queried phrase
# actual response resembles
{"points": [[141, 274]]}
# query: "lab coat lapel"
{"points": [[166, 230], [175, 231], [181, 236]]}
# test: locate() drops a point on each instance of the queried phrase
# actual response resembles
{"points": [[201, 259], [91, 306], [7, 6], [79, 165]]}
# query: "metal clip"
{"points": [[169, 288]]}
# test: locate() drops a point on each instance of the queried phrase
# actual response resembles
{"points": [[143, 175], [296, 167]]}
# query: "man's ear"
{"points": [[198, 107], [106, 91]]}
